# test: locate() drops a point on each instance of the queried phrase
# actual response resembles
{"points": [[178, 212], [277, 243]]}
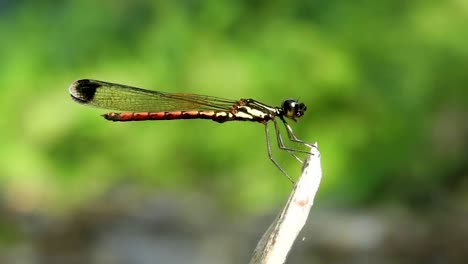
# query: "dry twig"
{"points": [[275, 244]]}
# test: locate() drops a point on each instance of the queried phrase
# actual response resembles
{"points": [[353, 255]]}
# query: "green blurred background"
{"points": [[385, 83]]}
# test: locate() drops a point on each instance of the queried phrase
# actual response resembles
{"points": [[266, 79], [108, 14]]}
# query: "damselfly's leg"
{"points": [[267, 134], [281, 145], [293, 137]]}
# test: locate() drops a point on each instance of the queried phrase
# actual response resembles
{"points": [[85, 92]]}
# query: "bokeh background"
{"points": [[385, 83]]}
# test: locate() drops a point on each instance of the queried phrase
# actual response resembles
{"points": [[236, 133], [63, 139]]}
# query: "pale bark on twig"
{"points": [[277, 241]]}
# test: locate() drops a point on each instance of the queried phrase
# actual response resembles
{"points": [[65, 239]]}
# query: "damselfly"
{"points": [[153, 105]]}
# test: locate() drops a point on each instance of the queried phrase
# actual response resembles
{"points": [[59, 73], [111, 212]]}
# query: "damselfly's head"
{"points": [[293, 109]]}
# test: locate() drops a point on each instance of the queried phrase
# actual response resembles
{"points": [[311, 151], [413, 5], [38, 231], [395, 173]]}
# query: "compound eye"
{"points": [[290, 108]]}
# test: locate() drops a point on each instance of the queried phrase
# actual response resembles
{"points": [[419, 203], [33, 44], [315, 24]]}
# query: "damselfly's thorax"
{"points": [[252, 110]]}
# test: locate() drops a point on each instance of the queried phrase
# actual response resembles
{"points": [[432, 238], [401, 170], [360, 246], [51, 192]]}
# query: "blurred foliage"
{"points": [[384, 81]]}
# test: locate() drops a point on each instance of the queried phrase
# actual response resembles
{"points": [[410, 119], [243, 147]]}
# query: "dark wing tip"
{"points": [[82, 91]]}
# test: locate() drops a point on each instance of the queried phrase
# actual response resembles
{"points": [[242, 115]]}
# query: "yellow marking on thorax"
{"points": [[252, 113], [244, 115]]}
